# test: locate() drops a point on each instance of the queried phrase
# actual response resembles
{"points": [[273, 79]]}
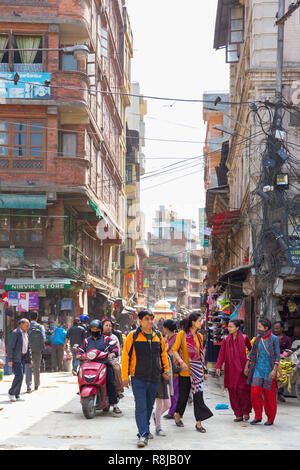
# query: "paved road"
{"points": [[51, 418]]}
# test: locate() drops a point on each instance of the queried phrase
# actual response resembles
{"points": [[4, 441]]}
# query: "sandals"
{"points": [[179, 424], [201, 429]]}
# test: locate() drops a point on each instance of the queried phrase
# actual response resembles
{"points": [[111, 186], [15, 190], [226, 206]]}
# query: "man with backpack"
{"points": [[37, 338], [145, 360]]}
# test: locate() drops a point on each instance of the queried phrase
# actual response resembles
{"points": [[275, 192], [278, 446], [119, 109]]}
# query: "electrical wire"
{"points": [[149, 97]]}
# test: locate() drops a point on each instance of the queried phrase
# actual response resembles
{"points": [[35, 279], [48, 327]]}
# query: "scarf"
{"points": [[197, 362]]}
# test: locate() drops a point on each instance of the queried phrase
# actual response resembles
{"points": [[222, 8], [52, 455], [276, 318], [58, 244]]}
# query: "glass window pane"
{"points": [[20, 126], [20, 151], [20, 139], [3, 138], [3, 150], [36, 127], [4, 126], [36, 151], [69, 144], [237, 37], [69, 63], [36, 139]]}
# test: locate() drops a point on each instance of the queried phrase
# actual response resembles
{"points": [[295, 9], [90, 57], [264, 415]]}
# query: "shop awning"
{"points": [[222, 223], [22, 201], [27, 284]]}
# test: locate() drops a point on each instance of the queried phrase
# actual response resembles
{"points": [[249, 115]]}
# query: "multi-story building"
{"points": [[62, 150], [174, 264], [248, 32], [135, 250]]}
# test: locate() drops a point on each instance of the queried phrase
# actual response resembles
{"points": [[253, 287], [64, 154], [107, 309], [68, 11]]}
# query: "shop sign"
{"points": [[140, 281], [35, 286], [294, 256]]}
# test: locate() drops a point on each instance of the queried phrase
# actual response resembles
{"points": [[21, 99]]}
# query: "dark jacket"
{"points": [[76, 334], [100, 344], [15, 345]]}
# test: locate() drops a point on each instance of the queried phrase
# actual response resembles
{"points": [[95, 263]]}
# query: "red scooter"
{"points": [[92, 381]]}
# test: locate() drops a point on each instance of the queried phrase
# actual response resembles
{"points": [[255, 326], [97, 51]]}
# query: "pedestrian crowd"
{"points": [[165, 369]]}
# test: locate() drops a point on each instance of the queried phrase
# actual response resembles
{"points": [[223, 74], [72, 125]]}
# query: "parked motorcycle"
{"points": [[92, 381]]}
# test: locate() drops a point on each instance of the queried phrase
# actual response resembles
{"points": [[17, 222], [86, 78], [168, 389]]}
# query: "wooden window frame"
{"points": [[12, 44], [12, 158]]}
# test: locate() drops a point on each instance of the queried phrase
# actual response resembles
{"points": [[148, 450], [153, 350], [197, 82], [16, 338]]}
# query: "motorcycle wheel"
{"points": [[297, 389], [88, 407]]}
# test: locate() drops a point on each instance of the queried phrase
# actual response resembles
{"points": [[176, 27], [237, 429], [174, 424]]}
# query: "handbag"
{"points": [[279, 372], [180, 352]]}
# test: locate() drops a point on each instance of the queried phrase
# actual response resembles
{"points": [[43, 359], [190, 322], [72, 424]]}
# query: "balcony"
{"points": [[73, 98]]}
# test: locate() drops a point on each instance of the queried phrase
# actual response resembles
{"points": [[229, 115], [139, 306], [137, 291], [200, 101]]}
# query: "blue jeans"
{"points": [[75, 361], [144, 395]]}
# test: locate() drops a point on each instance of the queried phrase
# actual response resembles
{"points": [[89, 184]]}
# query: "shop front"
{"points": [[56, 301]]}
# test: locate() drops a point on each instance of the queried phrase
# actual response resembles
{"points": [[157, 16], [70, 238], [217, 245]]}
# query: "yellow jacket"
{"points": [[185, 353], [147, 359]]}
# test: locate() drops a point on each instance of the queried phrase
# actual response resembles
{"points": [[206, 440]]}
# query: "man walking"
{"points": [[37, 338], [19, 353], [57, 348], [145, 360], [75, 335]]}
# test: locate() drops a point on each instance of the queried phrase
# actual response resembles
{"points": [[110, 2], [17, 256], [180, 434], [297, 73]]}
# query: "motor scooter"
{"points": [[92, 381]]}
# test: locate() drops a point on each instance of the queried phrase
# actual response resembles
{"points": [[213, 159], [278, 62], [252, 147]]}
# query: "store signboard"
{"points": [[35, 285], [140, 281], [294, 256], [29, 86]]}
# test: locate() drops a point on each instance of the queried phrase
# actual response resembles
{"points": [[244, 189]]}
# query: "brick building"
{"points": [[62, 151]]}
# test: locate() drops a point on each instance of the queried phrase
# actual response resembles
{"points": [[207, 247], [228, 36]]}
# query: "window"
{"points": [[236, 25], [28, 57], [67, 144], [129, 208], [235, 33], [21, 228], [69, 63], [232, 53], [129, 173], [129, 245], [22, 144], [104, 43]]}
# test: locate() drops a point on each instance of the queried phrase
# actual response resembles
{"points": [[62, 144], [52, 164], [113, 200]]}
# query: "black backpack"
{"points": [[36, 340]]}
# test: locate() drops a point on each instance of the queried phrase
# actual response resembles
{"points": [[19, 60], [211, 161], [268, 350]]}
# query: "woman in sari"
{"points": [[193, 372], [233, 354], [261, 369]]}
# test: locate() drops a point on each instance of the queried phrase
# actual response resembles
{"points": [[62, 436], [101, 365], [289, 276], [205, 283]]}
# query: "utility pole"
{"points": [[273, 197]]}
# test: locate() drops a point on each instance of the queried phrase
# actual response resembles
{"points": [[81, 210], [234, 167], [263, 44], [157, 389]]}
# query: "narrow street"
{"points": [[51, 419]]}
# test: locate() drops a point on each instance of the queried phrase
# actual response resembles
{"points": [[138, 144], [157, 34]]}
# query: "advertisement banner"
{"points": [[33, 300], [140, 281], [29, 86]]}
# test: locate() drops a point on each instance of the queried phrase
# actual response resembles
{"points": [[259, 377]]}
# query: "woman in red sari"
{"points": [[233, 354]]}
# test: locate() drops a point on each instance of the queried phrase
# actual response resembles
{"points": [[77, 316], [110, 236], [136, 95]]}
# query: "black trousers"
{"points": [[201, 411], [111, 386]]}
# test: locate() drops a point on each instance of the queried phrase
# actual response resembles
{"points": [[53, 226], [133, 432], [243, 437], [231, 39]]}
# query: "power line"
{"points": [[93, 91]]}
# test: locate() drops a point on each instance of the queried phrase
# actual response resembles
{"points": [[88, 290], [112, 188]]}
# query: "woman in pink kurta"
{"points": [[233, 355]]}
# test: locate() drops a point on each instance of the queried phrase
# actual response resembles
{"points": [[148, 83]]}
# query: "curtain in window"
{"points": [[28, 42], [3, 44]]}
